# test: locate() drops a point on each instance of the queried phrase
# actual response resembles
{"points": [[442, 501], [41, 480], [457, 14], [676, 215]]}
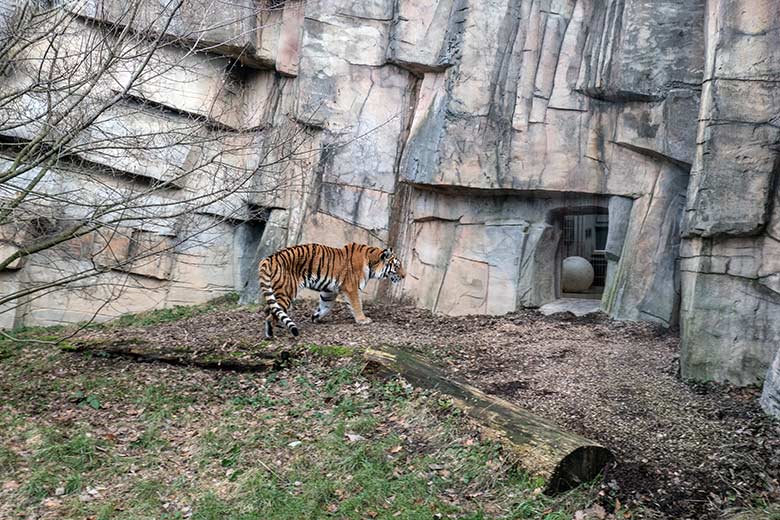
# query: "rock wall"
{"points": [[575, 100], [214, 101], [731, 253], [462, 132]]}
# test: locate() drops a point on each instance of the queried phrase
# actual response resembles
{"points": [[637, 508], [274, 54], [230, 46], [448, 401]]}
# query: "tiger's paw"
{"points": [[315, 318], [364, 321]]}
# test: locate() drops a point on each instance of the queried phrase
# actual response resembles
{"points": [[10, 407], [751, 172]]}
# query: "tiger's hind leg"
{"points": [[282, 315], [327, 301], [270, 321]]}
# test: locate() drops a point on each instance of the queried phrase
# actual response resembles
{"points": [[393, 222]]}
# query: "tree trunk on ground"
{"points": [[139, 350], [563, 459]]}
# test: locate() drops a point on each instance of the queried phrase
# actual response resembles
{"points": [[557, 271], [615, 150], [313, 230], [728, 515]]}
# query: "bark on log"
{"points": [[563, 459], [138, 352]]}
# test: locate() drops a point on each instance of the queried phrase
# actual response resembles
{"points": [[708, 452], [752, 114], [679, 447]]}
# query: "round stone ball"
{"points": [[577, 274]]}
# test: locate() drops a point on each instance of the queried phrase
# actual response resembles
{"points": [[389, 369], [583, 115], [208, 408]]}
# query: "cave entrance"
{"points": [[583, 236]]}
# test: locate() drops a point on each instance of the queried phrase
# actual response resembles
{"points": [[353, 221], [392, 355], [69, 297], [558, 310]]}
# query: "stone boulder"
{"points": [[576, 274]]}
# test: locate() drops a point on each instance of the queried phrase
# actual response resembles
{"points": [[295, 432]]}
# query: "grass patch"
{"points": [[15, 339], [161, 402], [8, 460], [331, 351], [63, 462], [259, 400], [313, 440], [178, 312], [78, 453], [762, 511]]}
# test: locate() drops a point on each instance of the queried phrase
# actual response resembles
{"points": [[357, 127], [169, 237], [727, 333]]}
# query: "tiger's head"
{"points": [[390, 266]]}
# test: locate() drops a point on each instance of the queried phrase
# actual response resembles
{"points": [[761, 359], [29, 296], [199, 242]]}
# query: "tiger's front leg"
{"points": [[327, 301], [353, 296]]}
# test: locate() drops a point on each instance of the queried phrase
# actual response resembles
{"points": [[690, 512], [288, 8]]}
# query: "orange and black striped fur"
{"points": [[329, 270]]}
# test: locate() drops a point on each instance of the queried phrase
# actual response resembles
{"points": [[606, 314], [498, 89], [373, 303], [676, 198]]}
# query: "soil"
{"points": [[683, 450]]}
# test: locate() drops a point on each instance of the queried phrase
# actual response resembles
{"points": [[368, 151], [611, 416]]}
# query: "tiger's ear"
{"points": [[387, 253]]}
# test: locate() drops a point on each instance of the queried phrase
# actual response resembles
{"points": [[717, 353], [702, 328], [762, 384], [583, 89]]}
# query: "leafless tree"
{"points": [[103, 180]]}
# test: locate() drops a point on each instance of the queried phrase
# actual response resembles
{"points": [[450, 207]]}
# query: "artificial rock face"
{"points": [[463, 133], [731, 255]]}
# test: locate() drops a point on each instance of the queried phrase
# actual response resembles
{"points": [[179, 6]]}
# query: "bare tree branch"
{"points": [[101, 172]]}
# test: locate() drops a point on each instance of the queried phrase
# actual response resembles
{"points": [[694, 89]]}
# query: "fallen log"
{"points": [[139, 350], [563, 459]]}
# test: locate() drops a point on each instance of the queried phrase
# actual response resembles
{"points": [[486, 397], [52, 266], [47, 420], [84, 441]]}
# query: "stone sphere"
{"points": [[576, 275]]}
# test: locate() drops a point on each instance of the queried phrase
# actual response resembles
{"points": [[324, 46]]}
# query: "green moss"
{"points": [[332, 351], [15, 339]]}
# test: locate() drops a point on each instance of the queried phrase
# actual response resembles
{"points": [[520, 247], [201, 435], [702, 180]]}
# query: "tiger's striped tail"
{"points": [[273, 305]]}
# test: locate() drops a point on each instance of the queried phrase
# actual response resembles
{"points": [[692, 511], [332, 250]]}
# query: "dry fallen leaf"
{"points": [[51, 503]]}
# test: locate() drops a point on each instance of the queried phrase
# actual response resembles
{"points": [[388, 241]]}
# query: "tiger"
{"points": [[329, 270]]}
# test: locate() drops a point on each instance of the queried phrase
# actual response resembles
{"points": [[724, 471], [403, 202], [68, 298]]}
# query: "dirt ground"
{"points": [[683, 450]]}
